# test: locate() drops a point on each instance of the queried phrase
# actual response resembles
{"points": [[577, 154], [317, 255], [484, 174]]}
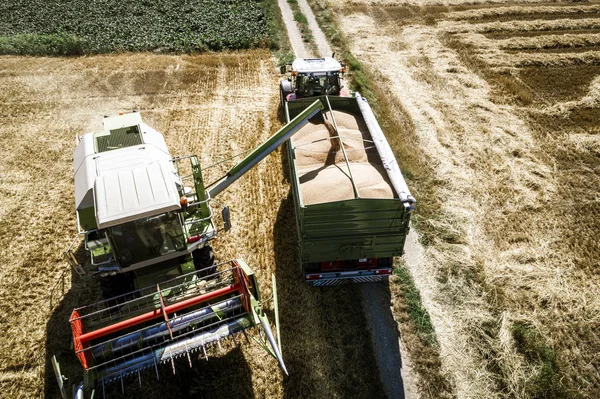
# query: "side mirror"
{"points": [[283, 69], [226, 218]]}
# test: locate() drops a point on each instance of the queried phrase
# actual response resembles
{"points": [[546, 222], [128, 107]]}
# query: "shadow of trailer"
{"points": [[324, 333]]}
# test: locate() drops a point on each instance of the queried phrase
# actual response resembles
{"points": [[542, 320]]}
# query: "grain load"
{"points": [[326, 172]]}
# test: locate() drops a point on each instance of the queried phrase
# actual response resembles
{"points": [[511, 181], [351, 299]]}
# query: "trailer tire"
{"points": [[204, 261], [312, 267], [385, 262]]}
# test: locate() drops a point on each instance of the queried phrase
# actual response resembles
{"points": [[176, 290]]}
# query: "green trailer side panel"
{"points": [[352, 229]]}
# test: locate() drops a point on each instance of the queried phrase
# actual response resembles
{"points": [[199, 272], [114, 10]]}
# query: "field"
{"points": [[502, 104], [51, 27], [492, 108], [213, 105]]}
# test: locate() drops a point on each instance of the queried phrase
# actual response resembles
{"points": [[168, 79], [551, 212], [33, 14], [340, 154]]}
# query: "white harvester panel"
{"points": [[89, 163], [316, 65], [121, 121], [126, 193]]}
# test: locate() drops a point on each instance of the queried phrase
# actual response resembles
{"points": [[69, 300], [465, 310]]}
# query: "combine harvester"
{"points": [[147, 219], [352, 204]]}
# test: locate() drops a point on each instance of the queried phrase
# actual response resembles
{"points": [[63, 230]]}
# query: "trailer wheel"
{"points": [[312, 267], [385, 262], [204, 261]]}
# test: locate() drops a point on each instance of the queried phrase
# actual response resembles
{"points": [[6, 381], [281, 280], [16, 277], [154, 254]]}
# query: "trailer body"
{"points": [[347, 235]]}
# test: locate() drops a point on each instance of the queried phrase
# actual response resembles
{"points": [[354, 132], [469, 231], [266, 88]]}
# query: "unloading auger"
{"points": [[147, 221]]}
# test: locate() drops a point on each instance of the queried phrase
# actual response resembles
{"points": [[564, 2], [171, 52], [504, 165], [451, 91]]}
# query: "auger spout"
{"points": [[266, 148]]}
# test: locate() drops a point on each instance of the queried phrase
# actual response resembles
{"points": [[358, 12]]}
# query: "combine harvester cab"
{"points": [[147, 221], [352, 204]]}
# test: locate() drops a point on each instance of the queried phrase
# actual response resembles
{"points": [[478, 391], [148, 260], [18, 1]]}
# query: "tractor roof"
{"points": [[132, 183], [308, 65], [124, 172]]}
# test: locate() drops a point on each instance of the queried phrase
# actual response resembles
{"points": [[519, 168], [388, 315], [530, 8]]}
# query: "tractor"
{"points": [[309, 77]]}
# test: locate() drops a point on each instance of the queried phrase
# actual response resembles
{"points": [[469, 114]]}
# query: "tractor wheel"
{"points": [[282, 96], [204, 261], [113, 286], [285, 88]]}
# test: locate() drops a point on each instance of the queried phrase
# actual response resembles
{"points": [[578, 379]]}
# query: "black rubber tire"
{"points": [[282, 100], [285, 88], [113, 286], [282, 97], [311, 267], [204, 261], [385, 262]]}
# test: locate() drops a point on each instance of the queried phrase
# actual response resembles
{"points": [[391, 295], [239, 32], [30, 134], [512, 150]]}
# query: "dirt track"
{"points": [[323, 47], [292, 29], [376, 298]]}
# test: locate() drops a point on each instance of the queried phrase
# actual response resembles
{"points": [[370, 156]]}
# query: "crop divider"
{"points": [[164, 312]]}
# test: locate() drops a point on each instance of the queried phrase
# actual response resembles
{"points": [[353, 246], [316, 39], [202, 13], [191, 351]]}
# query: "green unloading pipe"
{"points": [[270, 145]]}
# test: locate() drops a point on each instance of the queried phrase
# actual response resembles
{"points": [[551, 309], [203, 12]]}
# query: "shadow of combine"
{"points": [[225, 375], [325, 339]]}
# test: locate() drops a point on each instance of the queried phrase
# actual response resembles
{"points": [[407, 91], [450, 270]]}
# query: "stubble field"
{"points": [[503, 100], [212, 105]]}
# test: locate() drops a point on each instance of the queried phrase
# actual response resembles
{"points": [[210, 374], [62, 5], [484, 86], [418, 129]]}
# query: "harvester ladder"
{"points": [[72, 259]]}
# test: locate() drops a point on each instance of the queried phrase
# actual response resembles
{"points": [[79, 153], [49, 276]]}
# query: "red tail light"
{"points": [[193, 239]]}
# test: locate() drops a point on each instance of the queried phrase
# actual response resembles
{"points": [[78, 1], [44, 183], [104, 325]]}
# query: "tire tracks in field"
{"points": [[292, 29], [376, 301]]}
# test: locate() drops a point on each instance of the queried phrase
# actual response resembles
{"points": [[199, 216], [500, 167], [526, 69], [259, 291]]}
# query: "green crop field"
{"points": [[58, 27]]}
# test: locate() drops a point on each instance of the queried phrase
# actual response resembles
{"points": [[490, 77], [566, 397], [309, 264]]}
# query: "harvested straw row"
{"points": [[522, 26], [501, 59], [589, 100], [551, 41], [522, 10]]}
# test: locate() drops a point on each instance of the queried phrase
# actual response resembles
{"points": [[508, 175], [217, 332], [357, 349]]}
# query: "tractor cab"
{"points": [[311, 77], [317, 84]]}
